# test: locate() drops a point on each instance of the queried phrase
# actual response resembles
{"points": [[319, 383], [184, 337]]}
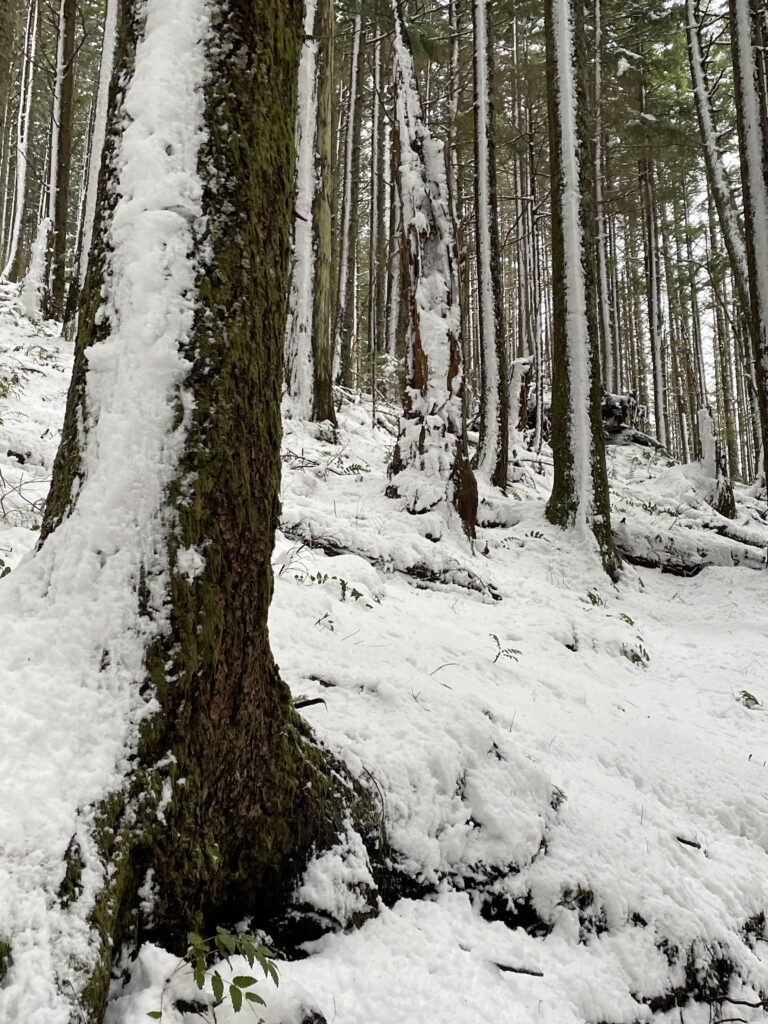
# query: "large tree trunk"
{"points": [[168, 480], [430, 468], [580, 491]]}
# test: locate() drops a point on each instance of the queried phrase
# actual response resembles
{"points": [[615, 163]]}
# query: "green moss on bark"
{"points": [[247, 795]]}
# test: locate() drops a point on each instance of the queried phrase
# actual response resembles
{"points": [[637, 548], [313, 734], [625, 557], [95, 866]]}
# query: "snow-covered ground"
{"points": [[573, 775]]}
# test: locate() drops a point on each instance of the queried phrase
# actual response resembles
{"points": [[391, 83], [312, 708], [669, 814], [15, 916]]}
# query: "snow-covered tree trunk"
{"points": [[748, 42], [430, 468], [61, 157], [345, 322], [580, 491], [22, 138], [608, 361], [375, 275], [193, 775], [308, 337], [99, 134], [654, 293], [493, 445]]}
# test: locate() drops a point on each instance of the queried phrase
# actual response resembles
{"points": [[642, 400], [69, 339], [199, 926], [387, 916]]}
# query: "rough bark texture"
{"points": [[258, 794], [566, 506]]}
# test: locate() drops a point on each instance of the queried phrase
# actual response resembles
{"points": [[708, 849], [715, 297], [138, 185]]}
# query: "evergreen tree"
{"points": [[192, 506], [580, 491]]}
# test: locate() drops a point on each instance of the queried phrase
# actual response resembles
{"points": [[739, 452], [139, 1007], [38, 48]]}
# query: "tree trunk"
{"points": [[184, 389], [748, 43], [493, 445], [580, 491], [345, 303], [430, 468], [308, 352]]}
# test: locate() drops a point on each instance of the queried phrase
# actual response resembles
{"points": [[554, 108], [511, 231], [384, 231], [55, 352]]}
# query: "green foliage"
{"points": [[636, 653], [594, 598], [321, 578], [504, 652], [749, 700], [223, 945], [4, 569]]}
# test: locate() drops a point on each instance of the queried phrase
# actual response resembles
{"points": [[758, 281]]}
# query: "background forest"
{"points": [[674, 298]]}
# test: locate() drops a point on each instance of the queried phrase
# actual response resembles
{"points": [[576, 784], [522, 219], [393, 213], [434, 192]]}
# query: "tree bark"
{"points": [[580, 491], [493, 444], [430, 468], [748, 43], [251, 795]]}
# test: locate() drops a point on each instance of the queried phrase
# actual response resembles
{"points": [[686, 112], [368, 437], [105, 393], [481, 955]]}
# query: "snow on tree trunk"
{"points": [[298, 357], [345, 318], [747, 39], [708, 444], [22, 135], [609, 375], [374, 242], [34, 287], [580, 491], [430, 467], [173, 740], [99, 133], [492, 452], [653, 285], [61, 158]]}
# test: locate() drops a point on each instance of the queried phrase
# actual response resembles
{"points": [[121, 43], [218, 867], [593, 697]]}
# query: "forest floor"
{"points": [[573, 775]]}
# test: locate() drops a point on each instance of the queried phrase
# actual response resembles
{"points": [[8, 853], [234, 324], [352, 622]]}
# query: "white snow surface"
{"points": [[579, 745], [72, 639], [564, 764]]}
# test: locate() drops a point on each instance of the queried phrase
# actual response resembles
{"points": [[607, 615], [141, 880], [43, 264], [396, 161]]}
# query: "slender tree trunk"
{"points": [[345, 305], [493, 445], [22, 142], [61, 158], [580, 492], [308, 331]]}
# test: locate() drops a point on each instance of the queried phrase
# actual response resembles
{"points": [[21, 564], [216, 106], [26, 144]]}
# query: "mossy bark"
{"points": [[566, 504], [252, 795]]}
